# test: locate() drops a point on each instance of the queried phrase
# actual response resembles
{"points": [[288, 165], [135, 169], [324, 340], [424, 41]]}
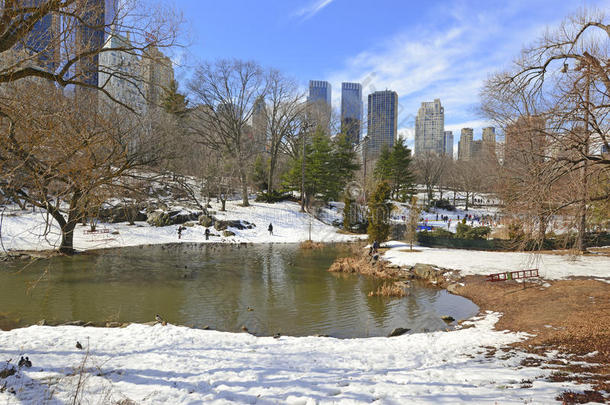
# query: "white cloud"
{"points": [[450, 62], [312, 9]]}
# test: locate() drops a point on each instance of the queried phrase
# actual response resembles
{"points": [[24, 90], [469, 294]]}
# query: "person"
{"points": [[207, 233], [270, 229], [180, 229], [375, 246]]}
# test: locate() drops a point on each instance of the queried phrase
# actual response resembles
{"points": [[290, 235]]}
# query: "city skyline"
{"points": [[421, 51]]}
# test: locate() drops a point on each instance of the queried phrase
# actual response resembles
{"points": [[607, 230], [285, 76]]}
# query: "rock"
{"points": [[73, 323], [453, 288], [42, 322], [237, 224], [226, 234], [206, 220], [113, 324], [398, 332], [151, 323], [424, 271], [158, 218], [447, 318]]}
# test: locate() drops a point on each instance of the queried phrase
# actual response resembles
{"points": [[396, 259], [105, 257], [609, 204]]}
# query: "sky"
{"points": [[423, 50]]}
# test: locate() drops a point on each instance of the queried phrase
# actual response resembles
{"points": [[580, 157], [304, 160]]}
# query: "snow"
{"points": [[550, 266], [23, 230], [171, 364]]}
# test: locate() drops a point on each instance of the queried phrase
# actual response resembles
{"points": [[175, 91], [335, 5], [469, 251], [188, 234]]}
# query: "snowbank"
{"points": [[23, 230], [177, 365], [551, 267]]}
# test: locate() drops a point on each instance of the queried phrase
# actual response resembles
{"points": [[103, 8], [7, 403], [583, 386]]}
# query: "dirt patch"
{"points": [[571, 316]]}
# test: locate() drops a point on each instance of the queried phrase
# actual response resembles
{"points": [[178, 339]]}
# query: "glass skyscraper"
{"points": [[382, 121], [320, 91], [351, 111], [96, 16]]}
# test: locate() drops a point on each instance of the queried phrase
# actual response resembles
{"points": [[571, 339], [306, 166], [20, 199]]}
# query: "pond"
{"points": [[269, 288]]}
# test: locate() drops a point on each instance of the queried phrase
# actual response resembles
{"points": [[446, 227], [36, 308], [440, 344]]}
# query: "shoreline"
{"points": [[564, 315]]}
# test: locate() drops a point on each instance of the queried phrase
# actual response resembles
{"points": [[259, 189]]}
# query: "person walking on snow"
{"points": [[270, 229]]}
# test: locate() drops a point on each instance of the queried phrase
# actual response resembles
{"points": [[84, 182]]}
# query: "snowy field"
{"points": [[551, 267], [22, 230], [176, 365]]}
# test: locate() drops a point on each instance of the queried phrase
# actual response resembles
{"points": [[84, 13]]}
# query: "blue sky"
{"points": [[421, 49]]}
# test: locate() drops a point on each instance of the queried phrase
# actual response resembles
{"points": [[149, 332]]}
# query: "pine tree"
{"points": [[329, 166], [379, 213], [175, 102], [412, 222], [393, 166]]}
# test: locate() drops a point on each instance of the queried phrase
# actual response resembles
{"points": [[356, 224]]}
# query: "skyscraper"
{"points": [[465, 144], [382, 121], [320, 91], [319, 102], [42, 41], [351, 111], [92, 26], [448, 143], [430, 128]]}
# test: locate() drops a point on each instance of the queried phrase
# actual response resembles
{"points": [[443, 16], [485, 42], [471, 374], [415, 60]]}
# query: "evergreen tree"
{"points": [[379, 213], [393, 166], [175, 102], [347, 213], [329, 166]]}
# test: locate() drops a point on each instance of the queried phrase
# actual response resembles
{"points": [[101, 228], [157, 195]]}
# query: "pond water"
{"points": [[268, 288]]}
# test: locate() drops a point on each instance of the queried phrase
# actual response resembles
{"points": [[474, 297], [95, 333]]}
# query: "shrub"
{"points": [[461, 230], [441, 233], [273, 197], [478, 232], [443, 204], [379, 213]]}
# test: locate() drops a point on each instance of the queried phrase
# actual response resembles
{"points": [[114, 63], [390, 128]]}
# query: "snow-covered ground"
{"points": [[176, 365], [551, 267], [23, 230]]}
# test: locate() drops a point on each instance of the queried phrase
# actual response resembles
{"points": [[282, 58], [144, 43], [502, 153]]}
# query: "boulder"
{"points": [[398, 332], [159, 218], [206, 220], [237, 224], [424, 271], [448, 318], [226, 234], [453, 288], [123, 213]]}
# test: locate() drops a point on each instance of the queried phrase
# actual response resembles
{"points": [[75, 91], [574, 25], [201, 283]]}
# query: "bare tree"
{"points": [[429, 168], [283, 109], [226, 92], [59, 156], [563, 80]]}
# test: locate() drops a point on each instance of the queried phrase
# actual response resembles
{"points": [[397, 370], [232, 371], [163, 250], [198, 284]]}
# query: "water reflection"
{"points": [[267, 288]]}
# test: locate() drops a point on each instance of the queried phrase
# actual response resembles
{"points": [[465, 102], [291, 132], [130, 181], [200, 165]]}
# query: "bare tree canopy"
{"points": [[61, 40], [226, 93]]}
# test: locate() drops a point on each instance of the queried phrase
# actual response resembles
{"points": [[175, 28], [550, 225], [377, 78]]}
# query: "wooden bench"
{"points": [[513, 275]]}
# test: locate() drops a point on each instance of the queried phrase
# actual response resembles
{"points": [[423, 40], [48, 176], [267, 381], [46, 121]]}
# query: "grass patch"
{"points": [[389, 290]]}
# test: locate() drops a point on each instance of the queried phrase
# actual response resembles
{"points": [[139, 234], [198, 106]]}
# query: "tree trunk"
{"points": [[244, 186], [272, 163], [467, 197]]}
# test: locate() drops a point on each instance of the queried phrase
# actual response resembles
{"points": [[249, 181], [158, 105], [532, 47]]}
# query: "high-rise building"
{"points": [[120, 73], [92, 30], [259, 124], [351, 111], [157, 74], [319, 103], [382, 121], [525, 139], [465, 144], [42, 42], [320, 91], [448, 143], [430, 128]]}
